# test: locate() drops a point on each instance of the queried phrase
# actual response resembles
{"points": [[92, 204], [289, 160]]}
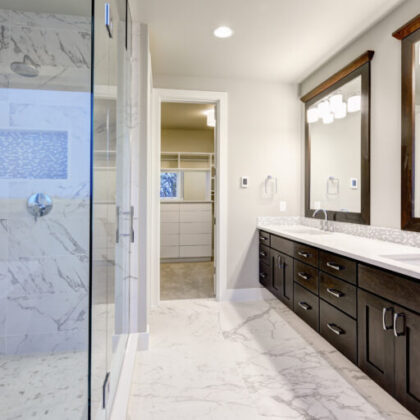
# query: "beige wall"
{"points": [[385, 109], [263, 139], [199, 141]]}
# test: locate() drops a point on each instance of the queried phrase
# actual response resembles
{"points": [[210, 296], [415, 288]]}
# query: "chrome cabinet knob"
{"points": [[39, 205]]}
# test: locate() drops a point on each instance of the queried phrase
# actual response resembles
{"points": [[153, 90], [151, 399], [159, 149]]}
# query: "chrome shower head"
{"points": [[26, 67]]}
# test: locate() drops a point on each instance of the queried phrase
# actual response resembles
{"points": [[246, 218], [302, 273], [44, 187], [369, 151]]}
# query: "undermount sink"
{"points": [[306, 231], [413, 259]]}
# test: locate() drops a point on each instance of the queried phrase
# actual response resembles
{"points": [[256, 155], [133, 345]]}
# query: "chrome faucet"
{"points": [[324, 223]]}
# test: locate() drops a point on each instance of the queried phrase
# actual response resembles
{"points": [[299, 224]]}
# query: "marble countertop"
{"points": [[391, 256]]}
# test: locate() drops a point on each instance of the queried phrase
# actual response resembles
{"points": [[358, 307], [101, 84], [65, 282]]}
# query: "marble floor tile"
{"points": [[192, 280], [256, 360]]}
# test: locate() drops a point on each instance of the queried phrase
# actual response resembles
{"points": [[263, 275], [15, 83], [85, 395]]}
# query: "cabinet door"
{"points": [[376, 339], [282, 277], [407, 359]]}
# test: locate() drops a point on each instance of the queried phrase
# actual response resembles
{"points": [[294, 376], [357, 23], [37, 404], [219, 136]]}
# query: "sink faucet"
{"points": [[324, 223]]}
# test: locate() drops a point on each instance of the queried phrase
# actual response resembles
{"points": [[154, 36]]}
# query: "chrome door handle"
{"points": [[279, 262], [117, 231], [334, 266], [334, 292], [304, 254], [335, 329], [132, 224], [305, 306], [304, 276], [263, 254], [263, 275], [398, 316], [384, 312]]}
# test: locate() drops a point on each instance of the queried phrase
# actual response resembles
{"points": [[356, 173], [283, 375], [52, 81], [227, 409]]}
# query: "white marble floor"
{"points": [[248, 361]]}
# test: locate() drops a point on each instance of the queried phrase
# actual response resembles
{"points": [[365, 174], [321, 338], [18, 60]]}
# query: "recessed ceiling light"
{"points": [[223, 32]]}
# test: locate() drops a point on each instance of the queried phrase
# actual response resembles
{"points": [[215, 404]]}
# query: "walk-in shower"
{"points": [[64, 207]]}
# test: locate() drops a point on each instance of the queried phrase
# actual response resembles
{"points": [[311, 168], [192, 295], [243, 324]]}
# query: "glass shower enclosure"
{"points": [[65, 211]]}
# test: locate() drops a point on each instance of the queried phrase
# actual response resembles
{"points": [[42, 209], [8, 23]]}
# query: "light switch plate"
{"points": [[283, 205], [244, 182]]}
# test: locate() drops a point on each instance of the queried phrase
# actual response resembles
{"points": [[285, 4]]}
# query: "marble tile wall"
{"points": [[397, 236], [44, 264]]}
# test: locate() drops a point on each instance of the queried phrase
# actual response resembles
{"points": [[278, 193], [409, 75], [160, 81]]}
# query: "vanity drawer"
{"points": [[338, 266], [338, 293], [264, 238], [265, 276], [264, 254], [339, 329], [282, 245], [306, 276], [391, 286], [306, 253], [306, 305]]}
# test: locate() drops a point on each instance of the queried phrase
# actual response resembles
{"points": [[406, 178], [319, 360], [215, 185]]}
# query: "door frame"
{"points": [[219, 99]]}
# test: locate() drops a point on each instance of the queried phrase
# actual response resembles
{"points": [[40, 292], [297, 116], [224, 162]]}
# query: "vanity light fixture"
{"points": [[223, 32], [324, 108], [312, 115], [328, 118], [354, 103], [341, 111], [335, 102]]}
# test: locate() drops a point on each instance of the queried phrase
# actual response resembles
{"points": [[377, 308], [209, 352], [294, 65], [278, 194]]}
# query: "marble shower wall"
{"points": [[44, 264]]}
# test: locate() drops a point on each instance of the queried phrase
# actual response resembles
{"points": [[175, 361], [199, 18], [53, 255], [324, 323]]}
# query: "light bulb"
{"points": [[223, 32], [341, 111], [312, 115], [324, 108], [354, 103], [328, 118], [336, 101]]}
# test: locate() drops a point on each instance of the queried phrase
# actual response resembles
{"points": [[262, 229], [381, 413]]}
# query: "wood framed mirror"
{"points": [[409, 34], [337, 144]]}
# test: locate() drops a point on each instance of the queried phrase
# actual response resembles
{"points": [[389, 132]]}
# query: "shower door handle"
{"points": [[131, 232]]}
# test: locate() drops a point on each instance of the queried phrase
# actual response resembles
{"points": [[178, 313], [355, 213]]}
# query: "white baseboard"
{"points": [[122, 394], [143, 341], [247, 295]]}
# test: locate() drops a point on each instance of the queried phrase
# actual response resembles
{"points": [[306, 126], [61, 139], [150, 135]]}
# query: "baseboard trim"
{"points": [[122, 394], [247, 295], [143, 340]]}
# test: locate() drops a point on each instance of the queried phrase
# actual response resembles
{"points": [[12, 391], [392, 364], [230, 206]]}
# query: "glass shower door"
{"points": [[112, 213]]}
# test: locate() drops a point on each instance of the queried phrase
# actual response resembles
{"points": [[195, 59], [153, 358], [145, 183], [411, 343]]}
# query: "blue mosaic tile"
{"points": [[33, 154]]}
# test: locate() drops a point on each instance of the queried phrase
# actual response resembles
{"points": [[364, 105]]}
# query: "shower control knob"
{"points": [[39, 205]]}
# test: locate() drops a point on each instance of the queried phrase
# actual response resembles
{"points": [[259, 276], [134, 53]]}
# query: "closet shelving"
{"points": [[187, 161]]}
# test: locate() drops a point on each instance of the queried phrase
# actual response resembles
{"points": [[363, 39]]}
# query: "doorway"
{"points": [[210, 202], [187, 194]]}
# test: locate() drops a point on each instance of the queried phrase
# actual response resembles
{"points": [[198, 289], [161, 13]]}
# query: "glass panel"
{"points": [[335, 135], [416, 77], [111, 233], [45, 120]]}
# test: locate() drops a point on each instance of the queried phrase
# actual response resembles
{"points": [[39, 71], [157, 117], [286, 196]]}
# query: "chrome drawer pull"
{"points": [[335, 293], [334, 266], [263, 254], [305, 306], [263, 275], [396, 318], [304, 276], [304, 254], [335, 329], [262, 238], [279, 261], [384, 312]]}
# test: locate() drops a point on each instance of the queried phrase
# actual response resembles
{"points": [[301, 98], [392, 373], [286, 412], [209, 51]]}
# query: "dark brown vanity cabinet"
{"points": [[282, 277], [370, 315]]}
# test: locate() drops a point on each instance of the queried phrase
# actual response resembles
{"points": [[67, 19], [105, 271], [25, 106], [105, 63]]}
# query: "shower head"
{"points": [[26, 67]]}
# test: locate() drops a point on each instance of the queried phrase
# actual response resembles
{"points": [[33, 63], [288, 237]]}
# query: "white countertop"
{"points": [[371, 251]]}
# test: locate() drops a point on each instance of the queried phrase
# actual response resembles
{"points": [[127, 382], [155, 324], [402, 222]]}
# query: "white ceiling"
{"points": [[276, 40], [185, 116]]}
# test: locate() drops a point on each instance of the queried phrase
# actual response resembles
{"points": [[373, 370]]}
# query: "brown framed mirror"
{"points": [[337, 144], [409, 34]]}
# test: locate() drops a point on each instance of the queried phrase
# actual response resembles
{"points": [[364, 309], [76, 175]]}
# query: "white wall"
{"points": [[385, 109], [264, 138]]}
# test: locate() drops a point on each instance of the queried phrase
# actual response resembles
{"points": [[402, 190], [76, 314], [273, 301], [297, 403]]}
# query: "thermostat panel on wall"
{"points": [[353, 183], [244, 182]]}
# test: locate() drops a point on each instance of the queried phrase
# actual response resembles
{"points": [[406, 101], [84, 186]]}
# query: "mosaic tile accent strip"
{"points": [[396, 236], [33, 154]]}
